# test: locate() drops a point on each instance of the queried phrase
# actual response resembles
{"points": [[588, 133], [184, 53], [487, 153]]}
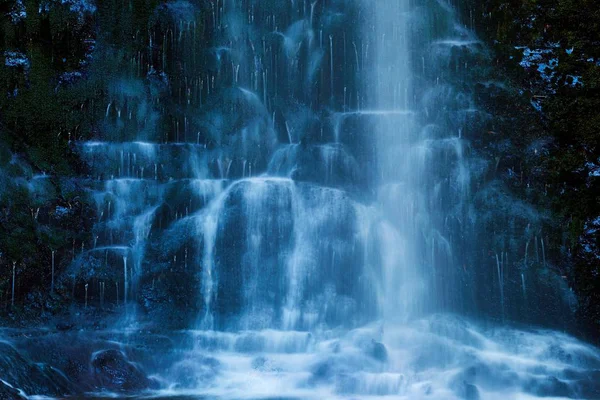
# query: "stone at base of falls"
{"points": [[322, 372], [114, 372], [466, 390], [63, 326], [471, 392], [378, 351], [549, 387], [587, 382], [9, 393], [31, 378], [194, 372]]}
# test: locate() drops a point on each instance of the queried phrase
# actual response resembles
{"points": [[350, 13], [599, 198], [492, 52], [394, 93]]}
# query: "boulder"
{"points": [[378, 351], [32, 378], [7, 392], [194, 372], [113, 371]]}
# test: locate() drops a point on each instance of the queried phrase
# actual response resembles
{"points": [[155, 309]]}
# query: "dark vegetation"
{"points": [[57, 72], [43, 106], [548, 53]]}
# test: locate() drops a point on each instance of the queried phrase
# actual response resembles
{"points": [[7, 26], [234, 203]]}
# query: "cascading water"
{"points": [[424, 176], [314, 191]]}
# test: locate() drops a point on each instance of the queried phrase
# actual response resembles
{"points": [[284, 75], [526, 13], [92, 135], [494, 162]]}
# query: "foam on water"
{"points": [[441, 357]]}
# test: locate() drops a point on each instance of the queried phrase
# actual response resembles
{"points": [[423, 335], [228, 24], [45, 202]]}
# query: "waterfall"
{"points": [[321, 179], [125, 282], [423, 176], [402, 160], [288, 190]]}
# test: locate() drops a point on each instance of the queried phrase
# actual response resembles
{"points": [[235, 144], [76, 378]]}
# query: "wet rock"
{"points": [[378, 351], [322, 371], [465, 390], [75, 369], [69, 353], [549, 387], [586, 384], [65, 326], [250, 343], [264, 364], [260, 363], [32, 378], [192, 373], [169, 298], [488, 375], [428, 390], [471, 392], [335, 347], [455, 329], [8, 392], [346, 384], [113, 371]]}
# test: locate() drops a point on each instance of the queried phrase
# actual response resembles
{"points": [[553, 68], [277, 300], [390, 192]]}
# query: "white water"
{"points": [[441, 357]]}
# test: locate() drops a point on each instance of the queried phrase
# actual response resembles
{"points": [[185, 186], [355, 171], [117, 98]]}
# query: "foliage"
{"points": [[44, 106], [63, 63], [567, 35]]}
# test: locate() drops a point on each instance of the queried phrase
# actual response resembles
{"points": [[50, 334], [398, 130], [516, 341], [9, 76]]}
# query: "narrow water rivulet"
{"points": [[315, 205]]}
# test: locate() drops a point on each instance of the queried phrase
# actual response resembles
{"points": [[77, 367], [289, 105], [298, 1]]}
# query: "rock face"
{"points": [[112, 371], [471, 392], [378, 351], [19, 372], [550, 59], [7, 392], [195, 372], [42, 208]]}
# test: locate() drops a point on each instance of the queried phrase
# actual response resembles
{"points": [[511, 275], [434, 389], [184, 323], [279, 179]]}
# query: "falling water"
{"points": [[402, 187], [309, 208], [125, 281]]}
